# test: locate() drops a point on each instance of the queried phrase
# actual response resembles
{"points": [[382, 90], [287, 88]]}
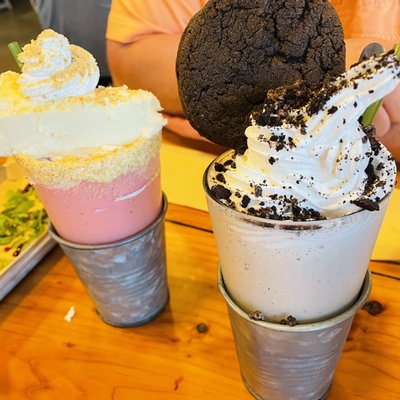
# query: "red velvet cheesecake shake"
{"points": [[107, 211], [102, 198], [91, 153]]}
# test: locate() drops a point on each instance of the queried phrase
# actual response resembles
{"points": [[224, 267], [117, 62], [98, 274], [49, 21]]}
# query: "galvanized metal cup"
{"points": [[281, 362], [126, 280]]}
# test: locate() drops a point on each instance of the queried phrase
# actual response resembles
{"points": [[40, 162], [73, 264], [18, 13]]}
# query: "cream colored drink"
{"points": [[296, 216]]}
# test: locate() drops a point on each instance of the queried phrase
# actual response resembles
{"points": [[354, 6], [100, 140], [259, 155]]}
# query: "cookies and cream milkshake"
{"points": [[91, 153], [297, 214]]}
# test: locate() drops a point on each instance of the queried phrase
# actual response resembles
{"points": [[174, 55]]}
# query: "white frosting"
{"points": [[105, 119], [53, 108], [54, 69], [323, 165]]}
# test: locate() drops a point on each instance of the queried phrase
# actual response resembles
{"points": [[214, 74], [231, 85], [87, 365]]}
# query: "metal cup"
{"points": [[126, 279], [281, 362]]}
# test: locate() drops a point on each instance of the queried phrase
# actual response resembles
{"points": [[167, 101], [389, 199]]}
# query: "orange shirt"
{"points": [[379, 19], [131, 19], [364, 21]]}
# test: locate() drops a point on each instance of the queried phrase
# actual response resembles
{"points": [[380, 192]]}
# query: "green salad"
{"points": [[22, 220]]}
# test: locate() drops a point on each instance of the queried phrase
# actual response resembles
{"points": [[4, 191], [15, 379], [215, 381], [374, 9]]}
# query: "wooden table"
{"points": [[44, 357]]}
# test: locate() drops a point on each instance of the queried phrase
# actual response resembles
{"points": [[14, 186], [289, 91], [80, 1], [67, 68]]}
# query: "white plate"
{"points": [[11, 178]]}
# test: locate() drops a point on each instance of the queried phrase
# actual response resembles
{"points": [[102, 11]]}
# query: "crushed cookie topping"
{"points": [[309, 157]]}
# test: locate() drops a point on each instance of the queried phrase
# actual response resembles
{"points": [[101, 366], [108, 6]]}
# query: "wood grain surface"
{"points": [[185, 353]]}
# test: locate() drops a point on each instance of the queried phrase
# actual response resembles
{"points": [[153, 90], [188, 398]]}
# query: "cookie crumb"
{"points": [[373, 307], [256, 315], [202, 327], [289, 320]]}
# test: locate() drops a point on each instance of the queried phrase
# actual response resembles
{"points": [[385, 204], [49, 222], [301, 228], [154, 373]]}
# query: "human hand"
{"points": [[182, 127], [387, 123]]}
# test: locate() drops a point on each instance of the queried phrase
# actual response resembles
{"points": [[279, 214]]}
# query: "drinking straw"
{"points": [[370, 112], [396, 49], [15, 49]]}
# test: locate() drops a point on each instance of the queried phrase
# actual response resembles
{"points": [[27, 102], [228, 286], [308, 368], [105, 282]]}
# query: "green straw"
{"points": [[396, 49], [370, 112], [15, 49]]}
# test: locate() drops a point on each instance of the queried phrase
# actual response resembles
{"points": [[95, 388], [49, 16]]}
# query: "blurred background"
{"points": [[18, 23]]}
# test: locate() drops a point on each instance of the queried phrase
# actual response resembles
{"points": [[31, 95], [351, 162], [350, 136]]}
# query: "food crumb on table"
{"points": [[70, 314]]}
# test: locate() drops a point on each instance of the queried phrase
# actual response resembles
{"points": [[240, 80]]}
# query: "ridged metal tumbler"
{"points": [[281, 362], [127, 279]]}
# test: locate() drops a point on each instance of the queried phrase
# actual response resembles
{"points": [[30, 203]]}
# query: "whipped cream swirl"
{"points": [[53, 69], [308, 156]]}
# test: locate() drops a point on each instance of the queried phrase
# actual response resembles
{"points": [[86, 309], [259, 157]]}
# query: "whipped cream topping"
{"points": [[308, 156], [54, 69], [104, 120], [53, 109]]}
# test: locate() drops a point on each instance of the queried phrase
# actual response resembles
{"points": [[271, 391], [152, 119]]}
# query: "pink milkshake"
{"points": [[107, 203], [102, 198], [107, 211], [91, 153]]}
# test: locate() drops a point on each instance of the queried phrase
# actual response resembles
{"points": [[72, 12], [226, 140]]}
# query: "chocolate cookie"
{"points": [[233, 51]]}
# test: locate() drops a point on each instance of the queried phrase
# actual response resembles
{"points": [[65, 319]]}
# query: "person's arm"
{"points": [[148, 64]]}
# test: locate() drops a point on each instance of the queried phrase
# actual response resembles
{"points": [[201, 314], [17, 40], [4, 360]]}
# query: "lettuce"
{"points": [[21, 221]]}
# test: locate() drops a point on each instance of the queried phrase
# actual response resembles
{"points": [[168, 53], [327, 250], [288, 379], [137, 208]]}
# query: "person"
{"points": [[143, 38], [82, 22], [364, 21]]}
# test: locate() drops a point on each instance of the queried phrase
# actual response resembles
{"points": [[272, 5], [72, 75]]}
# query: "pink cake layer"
{"points": [[98, 213]]}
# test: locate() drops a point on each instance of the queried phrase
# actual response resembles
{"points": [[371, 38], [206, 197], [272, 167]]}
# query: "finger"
{"points": [[381, 122], [391, 104], [182, 127], [392, 141]]}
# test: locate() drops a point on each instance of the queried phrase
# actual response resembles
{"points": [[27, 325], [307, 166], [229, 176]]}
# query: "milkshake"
{"points": [[91, 153], [297, 214], [297, 204], [100, 209]]}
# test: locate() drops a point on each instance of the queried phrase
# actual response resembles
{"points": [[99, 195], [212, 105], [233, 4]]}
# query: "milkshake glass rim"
{"points": [[305, 327], [276, 223], [53, 233]]}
